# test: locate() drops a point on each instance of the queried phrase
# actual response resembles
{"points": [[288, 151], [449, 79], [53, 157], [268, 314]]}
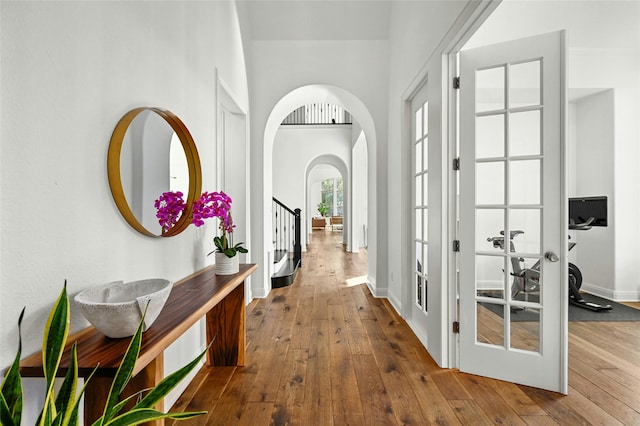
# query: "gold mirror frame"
{"points": [[115, 180]]}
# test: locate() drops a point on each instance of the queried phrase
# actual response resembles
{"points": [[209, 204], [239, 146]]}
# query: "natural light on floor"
{"points": [[351, 282]]}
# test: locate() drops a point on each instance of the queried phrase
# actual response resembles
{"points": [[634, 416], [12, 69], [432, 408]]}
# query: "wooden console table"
{"points": [[218, 297]]}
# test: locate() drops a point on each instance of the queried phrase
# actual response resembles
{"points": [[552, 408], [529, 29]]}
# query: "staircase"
{"points": [[287, 249]]}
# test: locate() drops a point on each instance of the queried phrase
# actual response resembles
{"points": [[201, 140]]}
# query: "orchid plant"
{"points": [[170, 205]]}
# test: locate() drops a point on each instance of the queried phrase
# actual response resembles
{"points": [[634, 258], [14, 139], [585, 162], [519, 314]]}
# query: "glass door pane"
{"points": [[421, 185], [508, 182]]}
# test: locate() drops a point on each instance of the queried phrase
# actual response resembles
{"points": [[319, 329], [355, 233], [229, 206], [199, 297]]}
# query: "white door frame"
{"points": [[226, 104], [440, 69], [417, 317], [473, 19]]}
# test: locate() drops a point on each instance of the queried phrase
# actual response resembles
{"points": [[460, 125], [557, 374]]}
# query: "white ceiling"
{"points": [[610, 27], [319, 19]]}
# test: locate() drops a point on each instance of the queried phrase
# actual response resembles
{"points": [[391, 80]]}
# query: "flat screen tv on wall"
{"points": [[582, 208]]}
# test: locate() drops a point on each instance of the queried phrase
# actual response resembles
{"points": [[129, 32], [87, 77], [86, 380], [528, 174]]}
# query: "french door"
{"points": [[513, 214], [420, 173]]}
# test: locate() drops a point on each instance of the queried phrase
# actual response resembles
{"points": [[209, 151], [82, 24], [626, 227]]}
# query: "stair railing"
{"points": [[287, 231]]}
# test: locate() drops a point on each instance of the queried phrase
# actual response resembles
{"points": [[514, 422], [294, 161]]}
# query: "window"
{"points": [[332, 195]]}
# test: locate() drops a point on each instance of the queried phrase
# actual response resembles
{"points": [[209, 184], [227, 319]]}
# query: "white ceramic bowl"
{"points": [[116, 308]]}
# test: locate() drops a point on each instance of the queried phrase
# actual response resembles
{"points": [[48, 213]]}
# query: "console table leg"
{"points": [[98, 388], [226, 323], [95, 397], [148, 378]]}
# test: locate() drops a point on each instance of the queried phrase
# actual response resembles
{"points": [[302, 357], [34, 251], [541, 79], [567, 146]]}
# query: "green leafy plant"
{"points": [[323, 209], [224, 244], [62, 409]]}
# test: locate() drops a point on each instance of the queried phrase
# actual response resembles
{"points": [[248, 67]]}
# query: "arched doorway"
{"points": [[336, 96], [322, 169]]}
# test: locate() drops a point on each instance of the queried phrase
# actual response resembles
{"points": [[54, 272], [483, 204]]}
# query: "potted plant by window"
{"points": [[323, 209], [210, 204]]}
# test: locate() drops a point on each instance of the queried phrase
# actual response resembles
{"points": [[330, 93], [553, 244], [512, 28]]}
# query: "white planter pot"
{"points": [[227, 265]]}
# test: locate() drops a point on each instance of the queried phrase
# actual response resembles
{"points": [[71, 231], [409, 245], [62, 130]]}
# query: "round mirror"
{"points": [[152, 152]]}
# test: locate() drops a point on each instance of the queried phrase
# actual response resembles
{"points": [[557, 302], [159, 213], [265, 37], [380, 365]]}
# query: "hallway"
{"points": [[325, 352]]}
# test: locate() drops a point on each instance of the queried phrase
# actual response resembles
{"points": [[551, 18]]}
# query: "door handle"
{"points": [[551, 256]]}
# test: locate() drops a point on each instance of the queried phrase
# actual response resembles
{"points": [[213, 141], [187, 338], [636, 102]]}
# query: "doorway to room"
{"points": [[511, 183], [603, 106], [598, 58], [492, 107], [354, 157]]}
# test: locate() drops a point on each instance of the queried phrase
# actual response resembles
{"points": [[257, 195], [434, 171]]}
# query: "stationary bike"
{"points": [[527, 280], [575, 276]]}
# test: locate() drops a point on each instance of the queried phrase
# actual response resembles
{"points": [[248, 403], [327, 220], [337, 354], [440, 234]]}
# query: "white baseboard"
{"points": [[490, 285], [416, 330], [607, 293], [259, 293], [376, 292], [626, 296], [395, 302], [248, 297], [277, 266]]}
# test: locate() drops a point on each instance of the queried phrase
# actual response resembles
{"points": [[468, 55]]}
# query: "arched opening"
{"points": [[362, 141], [322, 170]]}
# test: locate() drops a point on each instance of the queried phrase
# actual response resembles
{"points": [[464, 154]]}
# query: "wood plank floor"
{"points": [[325, 352]]}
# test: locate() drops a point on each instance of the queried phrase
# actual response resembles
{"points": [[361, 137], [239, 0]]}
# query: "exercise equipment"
{"points": [[575, 276], [527, 280]]}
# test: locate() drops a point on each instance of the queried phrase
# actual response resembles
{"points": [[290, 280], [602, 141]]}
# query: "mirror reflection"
{"points": [[152, 161], [178, 167], [151, 152]]}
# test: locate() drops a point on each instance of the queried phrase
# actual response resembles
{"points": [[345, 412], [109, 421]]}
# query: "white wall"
{"points": [[359, 182], [295, 147], [415, 33], [594, 162], [603, 53], [70, 70], [236, 178], [358, 72]]}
